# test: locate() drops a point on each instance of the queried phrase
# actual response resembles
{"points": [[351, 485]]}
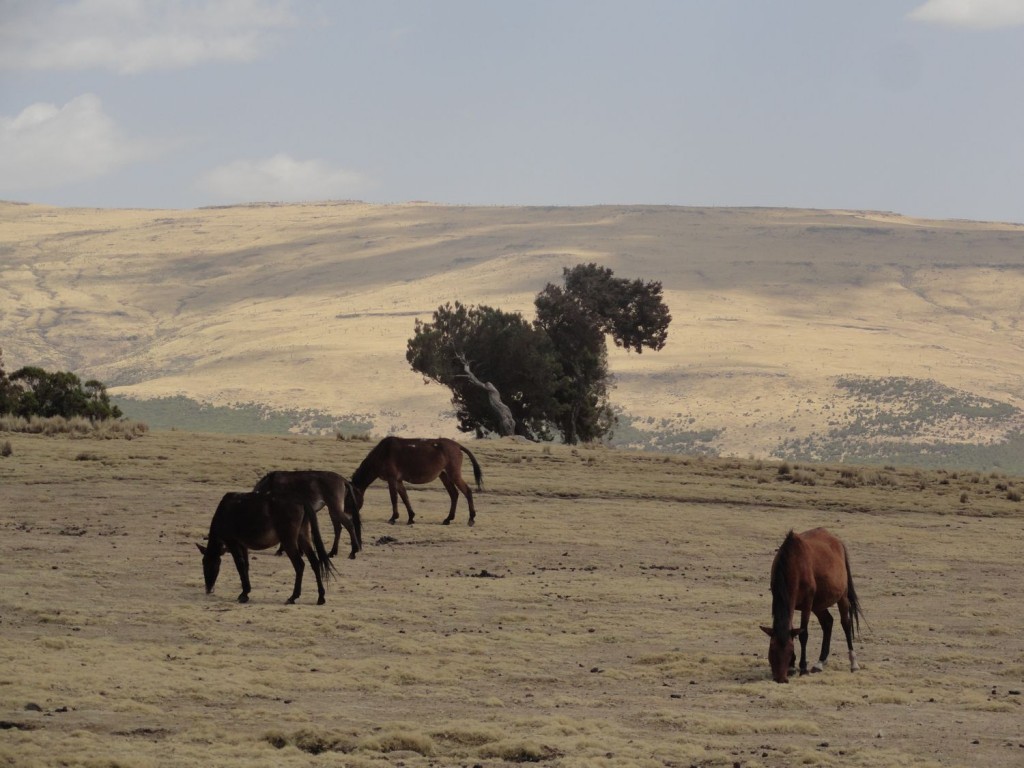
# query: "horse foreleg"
{"points": [[241, 557], [805, 617], [299, 566], [405, 500], [825, 619], [847, 621]]}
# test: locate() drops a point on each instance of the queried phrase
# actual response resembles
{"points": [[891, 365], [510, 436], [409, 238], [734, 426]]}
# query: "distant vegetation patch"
{"points": [[76, 426], [916, 422], [184, 413], [662, 435]]}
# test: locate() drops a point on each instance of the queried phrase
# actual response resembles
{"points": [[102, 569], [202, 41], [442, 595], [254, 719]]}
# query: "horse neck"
{"points": [[364, 475]]}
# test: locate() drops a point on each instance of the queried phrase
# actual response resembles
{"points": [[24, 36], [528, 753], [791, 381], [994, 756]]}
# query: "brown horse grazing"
{"points": [[398, 459], [245, 521], [318, 489], [811, 572]]}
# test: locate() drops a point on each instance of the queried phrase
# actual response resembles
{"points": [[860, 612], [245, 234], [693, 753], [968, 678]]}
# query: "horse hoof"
{"points": [[472, 522], [321, 601], [290, 601], [392, 520], [446, 522], [243, 598], [352, 556]]}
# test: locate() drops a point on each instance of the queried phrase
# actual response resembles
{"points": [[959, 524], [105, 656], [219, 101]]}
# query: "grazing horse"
{"points": [[810, 572], [245, 521], [398, 459], [318, 489]]}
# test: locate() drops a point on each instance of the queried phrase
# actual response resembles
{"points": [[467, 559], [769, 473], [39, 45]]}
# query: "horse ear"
{"points": [[201, 548], [766, 630]]}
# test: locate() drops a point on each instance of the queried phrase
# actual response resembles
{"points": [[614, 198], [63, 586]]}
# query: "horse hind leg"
{"points": [[299, 566], [826, 620], [453, 494], [318, 569], [846, 619], [400, 488], [342, 520]]}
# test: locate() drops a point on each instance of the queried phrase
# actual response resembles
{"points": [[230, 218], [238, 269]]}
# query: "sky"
{"points": [[909, 106]]}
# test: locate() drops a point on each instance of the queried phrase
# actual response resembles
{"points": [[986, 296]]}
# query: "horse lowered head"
{"points": [[781, 654], [211, 566]]}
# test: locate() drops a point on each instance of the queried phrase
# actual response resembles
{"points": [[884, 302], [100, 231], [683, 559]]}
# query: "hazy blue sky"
{"points": [[913, 106]]}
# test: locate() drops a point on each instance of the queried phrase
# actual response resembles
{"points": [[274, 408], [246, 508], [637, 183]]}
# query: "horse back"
{"points": [[256, 520], [826, 564]]}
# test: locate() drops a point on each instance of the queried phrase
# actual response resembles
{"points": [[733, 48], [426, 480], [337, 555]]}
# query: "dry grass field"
{"points": [[604, 611]]}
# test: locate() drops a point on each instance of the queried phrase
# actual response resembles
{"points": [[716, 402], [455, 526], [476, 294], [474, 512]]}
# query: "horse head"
{"points": [[781, 654], [211, 565]]}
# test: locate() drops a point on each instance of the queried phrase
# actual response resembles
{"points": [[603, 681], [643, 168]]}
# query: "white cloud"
{"points": [[979, 14], [135, 35], [280, 178], [46, 145]]}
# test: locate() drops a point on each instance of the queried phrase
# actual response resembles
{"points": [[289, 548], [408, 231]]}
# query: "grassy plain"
{"points": [[604, 611]]}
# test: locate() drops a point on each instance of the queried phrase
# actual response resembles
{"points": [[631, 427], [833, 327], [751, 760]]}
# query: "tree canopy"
{"points": [[550, 375], [32, 391]]}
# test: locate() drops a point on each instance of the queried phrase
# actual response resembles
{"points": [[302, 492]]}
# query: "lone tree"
{"points": [[548, 376], [500, 368]]}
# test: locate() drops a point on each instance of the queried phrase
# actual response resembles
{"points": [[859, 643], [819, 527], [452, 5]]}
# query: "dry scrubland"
{"points": [[310, 307], [604, 611]]}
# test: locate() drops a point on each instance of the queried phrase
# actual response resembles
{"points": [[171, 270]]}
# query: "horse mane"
{"points": [[782, 604]]}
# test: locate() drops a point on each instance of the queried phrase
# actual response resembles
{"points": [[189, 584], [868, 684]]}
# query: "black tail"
{"points": [[851, 595], [478, 474], [323, 560]]}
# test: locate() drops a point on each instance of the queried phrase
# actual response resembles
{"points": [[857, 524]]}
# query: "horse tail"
{"points": [[357, 504], [478, 473], [851, 593], [323, 560]]}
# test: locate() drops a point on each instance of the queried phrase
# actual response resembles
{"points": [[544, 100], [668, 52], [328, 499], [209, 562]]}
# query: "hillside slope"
{"points": [[795, 332]]}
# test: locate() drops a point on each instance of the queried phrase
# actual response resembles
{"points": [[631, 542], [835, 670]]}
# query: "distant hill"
{"points": [[802, 334]]}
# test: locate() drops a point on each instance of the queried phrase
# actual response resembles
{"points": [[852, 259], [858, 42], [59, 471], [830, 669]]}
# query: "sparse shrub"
{"points": [[6, 449], [804, 478], [1014, 495], [784, 468]]}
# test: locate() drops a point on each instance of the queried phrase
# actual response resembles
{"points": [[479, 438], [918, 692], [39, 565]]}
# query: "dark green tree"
{"points": [[551, 375], [501, 370], [592, 304], [36, 392]]}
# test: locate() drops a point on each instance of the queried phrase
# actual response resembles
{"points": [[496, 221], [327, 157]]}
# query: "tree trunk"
{"points": [[505, 419]]}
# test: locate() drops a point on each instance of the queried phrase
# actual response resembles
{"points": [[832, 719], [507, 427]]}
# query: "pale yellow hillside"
{"points": [[310, 306]]}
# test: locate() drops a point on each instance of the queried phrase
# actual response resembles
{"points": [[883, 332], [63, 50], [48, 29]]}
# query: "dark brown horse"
{"points": [[320, 488], [245, 521], [811, 572], [398, 459]]}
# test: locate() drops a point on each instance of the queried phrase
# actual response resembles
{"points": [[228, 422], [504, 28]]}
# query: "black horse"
{"points": [[245, 521], [320, 488]]}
